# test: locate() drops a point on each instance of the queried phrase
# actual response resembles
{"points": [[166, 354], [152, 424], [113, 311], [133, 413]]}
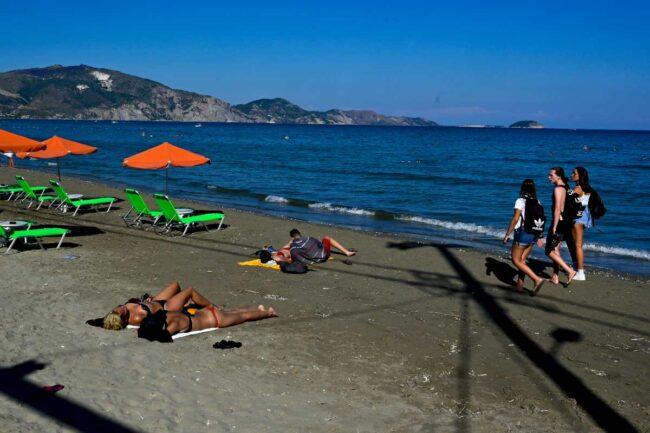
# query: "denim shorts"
{"points": [[585, 219], [524, 238]]}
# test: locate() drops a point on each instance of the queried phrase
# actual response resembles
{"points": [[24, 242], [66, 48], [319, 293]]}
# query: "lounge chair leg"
{"points": [[40, 203], [60, 241], [187, 226], [11, 245], [75, 211], [206, 227], [110, 205], [220, 222], [38, 241]]}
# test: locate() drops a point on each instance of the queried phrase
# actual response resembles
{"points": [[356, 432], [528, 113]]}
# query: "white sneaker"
{"points": [[580, 275]]}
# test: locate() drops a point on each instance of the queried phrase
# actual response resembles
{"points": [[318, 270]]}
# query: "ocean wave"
{"points": [[637, 254], [467, 227], [276, 199], [341, 209]]}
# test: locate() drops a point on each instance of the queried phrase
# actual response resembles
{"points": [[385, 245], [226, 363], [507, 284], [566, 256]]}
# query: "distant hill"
{"points": [[280, 110], [86, 92], [527, 124]]}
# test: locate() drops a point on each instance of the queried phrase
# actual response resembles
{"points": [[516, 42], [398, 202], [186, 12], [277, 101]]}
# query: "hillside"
{"points": [[86, 92], [527, 124], [280, 110]]}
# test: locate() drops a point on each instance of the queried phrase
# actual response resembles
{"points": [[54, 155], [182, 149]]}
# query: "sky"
{"points": [[565, 64]]}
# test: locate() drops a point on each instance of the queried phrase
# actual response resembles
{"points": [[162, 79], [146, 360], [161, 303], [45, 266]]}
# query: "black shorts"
{"points": [[553, 240]]}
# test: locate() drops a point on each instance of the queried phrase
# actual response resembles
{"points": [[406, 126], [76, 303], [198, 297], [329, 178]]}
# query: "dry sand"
{"points": [[409, 337]]}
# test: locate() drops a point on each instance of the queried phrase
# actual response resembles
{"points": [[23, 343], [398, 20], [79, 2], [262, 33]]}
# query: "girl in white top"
{"points": [[523, 241], [583, 190]]}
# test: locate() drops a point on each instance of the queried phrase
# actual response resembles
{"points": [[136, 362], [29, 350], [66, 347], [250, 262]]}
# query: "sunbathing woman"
{"points": [[132, 312], [162, 324]]}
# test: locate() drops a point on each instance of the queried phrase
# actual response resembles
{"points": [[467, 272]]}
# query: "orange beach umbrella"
{"points": [[10, 142], [58, 147], [164, 155]]}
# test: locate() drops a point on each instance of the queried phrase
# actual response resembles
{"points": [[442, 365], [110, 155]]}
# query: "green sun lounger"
{"points": [[11, 236], [174, 219], [78, 204], [17, 191], [31, 196], [139, 210]]}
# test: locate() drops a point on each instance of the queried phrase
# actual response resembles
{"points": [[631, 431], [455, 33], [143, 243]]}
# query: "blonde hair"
{"points": [[113, 321]]}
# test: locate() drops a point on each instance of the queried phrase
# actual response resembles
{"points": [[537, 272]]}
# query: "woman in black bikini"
{"points": [[132, 311], [161, 324], [189, 303]]}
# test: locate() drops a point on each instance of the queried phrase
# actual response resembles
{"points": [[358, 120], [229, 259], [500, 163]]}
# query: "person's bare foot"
{"points": [[261, 307], [351, 252], [271, 312], [519, 286], [572, 274], [555, 279], [538, 286]]}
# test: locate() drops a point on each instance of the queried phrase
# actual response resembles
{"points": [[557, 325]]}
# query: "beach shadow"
{"points": [[76, 231], [572, 386], [15, 385], [49, 245], [506, 273]]}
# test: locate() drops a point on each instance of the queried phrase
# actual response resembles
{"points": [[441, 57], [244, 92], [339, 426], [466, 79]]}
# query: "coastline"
{"points": [[412, 336]]}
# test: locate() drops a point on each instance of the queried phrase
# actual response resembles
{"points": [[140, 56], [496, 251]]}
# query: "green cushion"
{"points": [[93, 201], [38, 233], [202, 218]]}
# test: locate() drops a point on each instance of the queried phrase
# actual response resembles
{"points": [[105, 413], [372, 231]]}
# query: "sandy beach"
{"points": [[406, 337]]}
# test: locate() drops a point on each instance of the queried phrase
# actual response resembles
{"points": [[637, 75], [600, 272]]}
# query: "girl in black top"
{"points": [[559, 227]]}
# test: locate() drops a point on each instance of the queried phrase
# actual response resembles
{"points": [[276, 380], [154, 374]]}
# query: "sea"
{"points": [[444, 184]]}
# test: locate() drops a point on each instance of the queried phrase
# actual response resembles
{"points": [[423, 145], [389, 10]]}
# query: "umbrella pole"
{"points": [[166, 175], [58, 170]]}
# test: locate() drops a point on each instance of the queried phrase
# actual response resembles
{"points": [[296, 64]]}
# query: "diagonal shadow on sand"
{"points": [[600, 412], [15, 386]]}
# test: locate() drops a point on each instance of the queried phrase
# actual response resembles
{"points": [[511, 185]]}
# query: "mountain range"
{"points": [[88, 93]]}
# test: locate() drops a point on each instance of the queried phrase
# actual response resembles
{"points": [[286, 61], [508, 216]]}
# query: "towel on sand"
{"points": [[258, 263], [181, 334]]}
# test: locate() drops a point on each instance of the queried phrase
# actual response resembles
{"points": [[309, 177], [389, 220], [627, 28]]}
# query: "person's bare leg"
{"points": [[555, 277], [557, 258], [519, 259], [231, 318], [334, 243], [578, 233], [169, 291], [184, 297]]}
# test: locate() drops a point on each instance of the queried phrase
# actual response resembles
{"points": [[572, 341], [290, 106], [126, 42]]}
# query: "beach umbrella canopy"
{"points": [[163, 156], [14, 143], [58, 147]]}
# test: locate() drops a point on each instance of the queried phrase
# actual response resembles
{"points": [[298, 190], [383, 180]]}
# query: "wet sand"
{"points": [[407, 337]]}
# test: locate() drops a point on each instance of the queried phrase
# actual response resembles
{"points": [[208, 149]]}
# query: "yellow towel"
{"points": [[258, 263]]}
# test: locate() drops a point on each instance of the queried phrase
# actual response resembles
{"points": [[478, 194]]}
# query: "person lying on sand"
{"points": [[308, 249], [160, 325], [171, 298]]}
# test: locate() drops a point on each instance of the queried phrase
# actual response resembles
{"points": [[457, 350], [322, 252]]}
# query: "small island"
{"points": [[527, 124]]}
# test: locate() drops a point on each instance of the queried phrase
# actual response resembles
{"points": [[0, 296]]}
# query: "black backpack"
{"points": [[596, 206], [534, 220]]}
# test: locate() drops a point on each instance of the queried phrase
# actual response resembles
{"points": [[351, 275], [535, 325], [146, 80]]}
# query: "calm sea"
{"points": [[452, 183]]}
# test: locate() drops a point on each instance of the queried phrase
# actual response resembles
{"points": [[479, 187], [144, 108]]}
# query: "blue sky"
{"points": [[567, 64]]}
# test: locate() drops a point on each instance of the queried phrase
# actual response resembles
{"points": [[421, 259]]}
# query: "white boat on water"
{"points": [[198, 125]]}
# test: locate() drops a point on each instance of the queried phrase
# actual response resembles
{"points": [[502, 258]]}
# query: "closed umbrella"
{"points": [[163, 156], [57, 148]]}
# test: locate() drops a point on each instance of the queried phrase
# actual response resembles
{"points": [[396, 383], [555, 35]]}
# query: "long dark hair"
{"points": [[559, 171], [583, 179], [528, 189]]}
